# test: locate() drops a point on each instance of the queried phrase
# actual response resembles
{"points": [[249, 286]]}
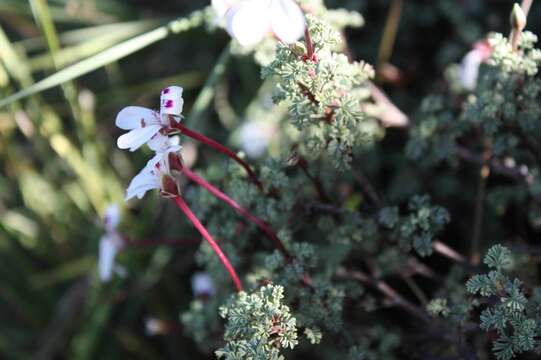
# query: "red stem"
{"points": [[219, 147], [223, 197], [310, 49], [203, 231]]}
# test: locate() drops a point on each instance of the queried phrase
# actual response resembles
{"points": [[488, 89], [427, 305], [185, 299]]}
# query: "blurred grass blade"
{"points": [[68, 270], [42, 15], [11, 60], [97, 43], [206, 94], [108, 56], [78, 36], [59, 13]]}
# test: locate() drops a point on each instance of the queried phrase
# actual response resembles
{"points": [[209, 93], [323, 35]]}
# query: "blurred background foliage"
{"points": [[61, 168]]}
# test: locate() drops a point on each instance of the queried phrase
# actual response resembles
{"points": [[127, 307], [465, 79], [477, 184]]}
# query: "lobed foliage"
{"points": [[383, 222]]}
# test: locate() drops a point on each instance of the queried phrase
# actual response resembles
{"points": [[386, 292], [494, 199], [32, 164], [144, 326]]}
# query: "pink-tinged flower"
{"points": [[469, 68], [110, 243], [144, 123], [157, 173], [250, 21], [202, 285]]}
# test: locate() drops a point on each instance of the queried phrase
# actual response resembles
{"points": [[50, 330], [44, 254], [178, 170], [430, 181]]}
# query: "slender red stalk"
{"points": [[226, 199], [203, 231], [219, 147], [310, 49]]}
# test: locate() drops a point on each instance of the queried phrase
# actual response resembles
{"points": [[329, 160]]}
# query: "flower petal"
{"points": [[249, 22], [107, 254], [137, 137], [171, 101], [141, 183], [469, 69], [162, 143], [133, 117], [287, 20], [220, 7]]}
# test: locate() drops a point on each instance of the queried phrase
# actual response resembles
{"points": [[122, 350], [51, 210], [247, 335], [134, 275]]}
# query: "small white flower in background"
{"points": [[202, 285], [249, 21], [156, 173], [143, 124], [155, 327], [110, 244], [469, 68], [255, 137]]}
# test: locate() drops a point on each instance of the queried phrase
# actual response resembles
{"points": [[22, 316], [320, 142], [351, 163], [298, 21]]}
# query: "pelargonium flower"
{"points": [[157, 172], [110, 243], [143, 124], [249, 21], [469, 68]]}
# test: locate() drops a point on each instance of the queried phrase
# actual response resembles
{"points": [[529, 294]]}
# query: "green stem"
{"points": [[389, 35], [194, 119]]}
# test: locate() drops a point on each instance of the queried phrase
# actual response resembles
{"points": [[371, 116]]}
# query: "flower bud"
{"points": [[175, 161], [518, 18], [171, 101], [169, 187]]}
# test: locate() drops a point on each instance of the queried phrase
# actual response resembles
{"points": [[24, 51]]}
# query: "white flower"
{"points": [[152, 175], [250, 21], [111, 217], [469, 68], [144, 123], [110, 243], [254, 138], [202, 284], [220, 7]]}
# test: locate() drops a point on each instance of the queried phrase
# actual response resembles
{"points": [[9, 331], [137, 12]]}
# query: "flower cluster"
{"points": [[147, 126]]}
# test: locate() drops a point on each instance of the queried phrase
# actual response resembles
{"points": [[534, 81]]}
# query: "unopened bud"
{"points": [[175, 161], [169, 187], [518, 18]]}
